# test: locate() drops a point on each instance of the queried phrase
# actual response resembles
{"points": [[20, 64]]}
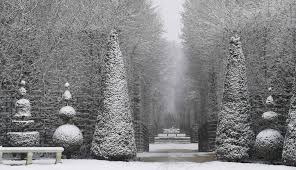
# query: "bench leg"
{"points": [[29, 158], [1, 155], [58, 157]]}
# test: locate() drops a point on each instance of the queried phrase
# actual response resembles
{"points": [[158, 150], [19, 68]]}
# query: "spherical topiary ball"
{"points": [[269, 144], [67, 112], [69, 137]]}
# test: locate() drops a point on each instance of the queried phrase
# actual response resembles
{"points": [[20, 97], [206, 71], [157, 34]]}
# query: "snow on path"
{"points": [[172, 146], [107, 165], [172, 152]]}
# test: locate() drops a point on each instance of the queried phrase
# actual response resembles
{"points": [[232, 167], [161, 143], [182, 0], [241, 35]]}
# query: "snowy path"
{"points": [[175, 153], [171, 147]]}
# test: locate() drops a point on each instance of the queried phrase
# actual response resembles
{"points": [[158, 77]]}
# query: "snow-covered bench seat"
{"points": [[30, 150]]}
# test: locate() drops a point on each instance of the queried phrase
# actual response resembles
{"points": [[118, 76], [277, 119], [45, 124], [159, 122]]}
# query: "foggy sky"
{"points": [[170, 11]]}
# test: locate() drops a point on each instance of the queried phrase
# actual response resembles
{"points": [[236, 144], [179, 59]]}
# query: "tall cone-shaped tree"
{"points": [[234, 134], [289, 153], [114, 137]]}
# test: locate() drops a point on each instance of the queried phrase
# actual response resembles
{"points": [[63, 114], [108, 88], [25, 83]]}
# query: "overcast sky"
{"points": [[170, 11]]}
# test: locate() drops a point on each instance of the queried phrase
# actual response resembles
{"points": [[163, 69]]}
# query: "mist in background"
{"points": [[172, 85], [170, 12]]}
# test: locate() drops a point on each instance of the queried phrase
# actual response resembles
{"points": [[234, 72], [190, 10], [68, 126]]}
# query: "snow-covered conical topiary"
{"points": [[114, 137], [234, 134], [289, 150]]}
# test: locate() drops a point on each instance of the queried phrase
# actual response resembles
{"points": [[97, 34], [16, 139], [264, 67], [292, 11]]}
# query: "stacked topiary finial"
{"points": [[21, 123], [68, 135], [269, 142]]}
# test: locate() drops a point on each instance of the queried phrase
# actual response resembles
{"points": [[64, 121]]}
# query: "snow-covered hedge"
{"points": [[23, 139], [289, 149], [22, 125]]}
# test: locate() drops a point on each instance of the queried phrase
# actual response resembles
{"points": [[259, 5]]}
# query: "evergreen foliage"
{"points": [[269, 144], [267, 28], [234, 134], [114, 137], [289, 154]]}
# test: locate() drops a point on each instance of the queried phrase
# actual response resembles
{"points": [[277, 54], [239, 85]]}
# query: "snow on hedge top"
{"points": [[68, 130], [22, 103], [270, 115], [67, 111], [269, 136], [67, 136]]}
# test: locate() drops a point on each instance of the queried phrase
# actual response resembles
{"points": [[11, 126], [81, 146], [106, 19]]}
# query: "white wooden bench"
{"points": [[30, 150]]}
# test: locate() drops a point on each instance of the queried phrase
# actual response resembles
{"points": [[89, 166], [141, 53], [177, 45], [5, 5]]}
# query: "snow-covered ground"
{"points": [[176, 159], [107, 165]]}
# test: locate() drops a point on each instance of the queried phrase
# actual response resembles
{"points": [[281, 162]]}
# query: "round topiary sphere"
{"points": [[69, 137], [67, 112], [269, 144]]}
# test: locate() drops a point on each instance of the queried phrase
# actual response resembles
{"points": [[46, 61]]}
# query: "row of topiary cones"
{"points": [[235, 137]]}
